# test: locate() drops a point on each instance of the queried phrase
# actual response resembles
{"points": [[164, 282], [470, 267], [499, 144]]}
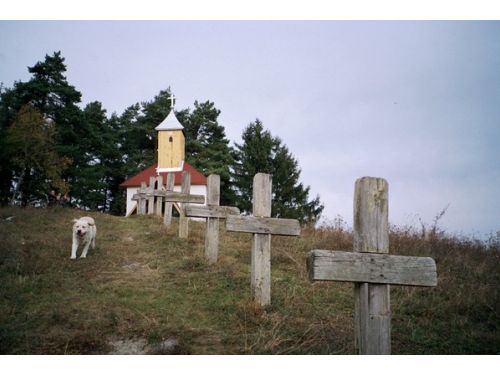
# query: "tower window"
{"points": [[170, 139]]}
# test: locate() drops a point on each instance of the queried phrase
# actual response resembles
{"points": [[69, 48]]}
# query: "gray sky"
{"points": [[417, 103]]}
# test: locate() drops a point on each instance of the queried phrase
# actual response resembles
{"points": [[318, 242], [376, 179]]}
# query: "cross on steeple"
{"points": [[172, 101]]}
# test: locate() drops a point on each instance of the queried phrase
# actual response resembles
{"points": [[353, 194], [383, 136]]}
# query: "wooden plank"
{"points": [[261, 225], [371, 215], [167, 216], [219, 212], [379, 324], [372, 268], [261, 243], [212, 230], [260, 271], [183, 220], [159, 199], [371, 234], [172, 196], [150, 196], [142, 200], [361, 298], [262, 195]]}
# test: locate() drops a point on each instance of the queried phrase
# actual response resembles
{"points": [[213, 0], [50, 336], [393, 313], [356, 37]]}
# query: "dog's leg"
{"points": [[74, 247], [93, 237], [85, 249]]}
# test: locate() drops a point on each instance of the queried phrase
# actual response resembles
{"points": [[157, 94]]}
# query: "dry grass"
{"points": [[144, 283]]}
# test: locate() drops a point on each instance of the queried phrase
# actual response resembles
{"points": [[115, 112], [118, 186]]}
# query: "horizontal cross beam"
{"points": [[371, 268], [172, 196], [263, 225], [218, 212]]}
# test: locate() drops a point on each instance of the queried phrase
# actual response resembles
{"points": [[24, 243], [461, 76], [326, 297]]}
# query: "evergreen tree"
{"points": [[49, 92], [207, 147], [261, 152], [102, 166], [137, 135], [37, 166]]}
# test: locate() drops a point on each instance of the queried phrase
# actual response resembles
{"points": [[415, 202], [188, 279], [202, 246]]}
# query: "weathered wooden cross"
{"points": [[262, 226], [169, 197], [212, 212], [167, 216], [371, 268], [140, 197]]}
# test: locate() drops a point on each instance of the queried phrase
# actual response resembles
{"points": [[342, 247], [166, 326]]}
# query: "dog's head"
{"points": [[81, 227]]}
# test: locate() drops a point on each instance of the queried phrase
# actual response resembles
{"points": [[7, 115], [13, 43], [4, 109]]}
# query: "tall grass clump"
{"points": [[143, 285]]}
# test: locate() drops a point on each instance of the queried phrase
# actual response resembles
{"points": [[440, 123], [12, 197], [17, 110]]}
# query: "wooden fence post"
{"points": [[183, 220], [167, 218]]}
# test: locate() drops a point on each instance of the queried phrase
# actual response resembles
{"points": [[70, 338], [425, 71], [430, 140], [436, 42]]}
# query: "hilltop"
{"points": [[144, 286]]}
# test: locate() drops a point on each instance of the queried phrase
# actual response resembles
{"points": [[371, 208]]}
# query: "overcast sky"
{"points": [[417, 103]]}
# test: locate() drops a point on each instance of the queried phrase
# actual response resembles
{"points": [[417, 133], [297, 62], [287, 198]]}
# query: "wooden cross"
{"points": [[170, 197], [262, 226], [149, 195], [140, 197], [183, 220], [371, 268], [212, 212], [159, 199], [145, 195], [171, 98], [167, 217]]}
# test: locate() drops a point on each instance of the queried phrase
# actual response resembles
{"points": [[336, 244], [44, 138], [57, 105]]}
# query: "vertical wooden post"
{"points": [[167, 218], [159, 199], [151, 197], [261, 244], [212, 232], [141, 208], [183, 220], [372, 315]]}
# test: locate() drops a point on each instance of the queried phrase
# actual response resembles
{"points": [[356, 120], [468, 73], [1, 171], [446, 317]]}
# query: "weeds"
{"points": [[144, 283]]}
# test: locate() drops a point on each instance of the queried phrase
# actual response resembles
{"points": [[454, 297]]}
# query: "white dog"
{"points": [[84, 231]]}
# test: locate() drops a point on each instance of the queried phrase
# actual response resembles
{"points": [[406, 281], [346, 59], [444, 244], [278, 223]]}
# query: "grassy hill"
{"points": [[143, 285]]}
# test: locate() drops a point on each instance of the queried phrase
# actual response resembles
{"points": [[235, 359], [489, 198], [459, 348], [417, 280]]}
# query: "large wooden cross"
{"points": [[371, 268], [212, 212], [262, 227]]}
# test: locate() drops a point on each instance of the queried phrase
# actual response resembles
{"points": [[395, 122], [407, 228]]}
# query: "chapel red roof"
{"points": [[197, 178]]}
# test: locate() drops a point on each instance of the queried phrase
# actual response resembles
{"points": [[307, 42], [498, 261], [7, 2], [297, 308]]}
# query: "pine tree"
{"points": [[137, 132], [261, 152], [207, 147]]}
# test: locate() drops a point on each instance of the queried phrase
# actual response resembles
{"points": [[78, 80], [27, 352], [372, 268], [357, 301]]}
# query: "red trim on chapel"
{"points": [[196, 177]]}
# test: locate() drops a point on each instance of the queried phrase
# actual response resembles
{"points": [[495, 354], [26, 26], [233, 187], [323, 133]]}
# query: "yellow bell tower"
{"points": [[171, 143]]}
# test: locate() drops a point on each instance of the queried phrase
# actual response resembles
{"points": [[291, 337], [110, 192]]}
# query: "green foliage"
{"points": [[261, 152], [97, 153], [207, 147], [156, 286], [137, 135], [37, 168]]}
